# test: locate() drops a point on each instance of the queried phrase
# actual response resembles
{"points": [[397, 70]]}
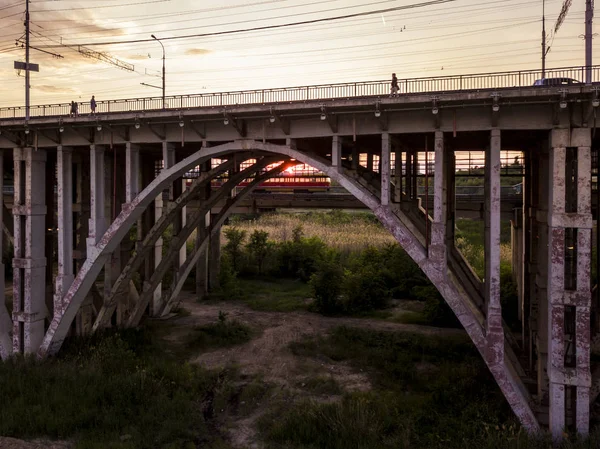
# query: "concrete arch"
{"points": [[169, 296], [395, 221], [147, 245], [178, 241]]}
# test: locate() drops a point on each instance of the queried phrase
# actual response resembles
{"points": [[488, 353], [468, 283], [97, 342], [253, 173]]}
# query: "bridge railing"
{"points": [[438, 84]]}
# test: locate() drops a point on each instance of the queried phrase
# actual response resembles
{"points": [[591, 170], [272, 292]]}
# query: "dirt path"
{"points": [[268, 354]]}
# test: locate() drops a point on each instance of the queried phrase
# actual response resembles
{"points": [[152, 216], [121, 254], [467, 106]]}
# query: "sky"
{"points": [[447, 38]]}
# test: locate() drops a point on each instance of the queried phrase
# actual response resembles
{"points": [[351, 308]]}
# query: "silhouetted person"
{"points": [[73, 112], [93, 105], [395, 88]]}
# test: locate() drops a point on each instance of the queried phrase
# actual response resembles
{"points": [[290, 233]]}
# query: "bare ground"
{"points": [[268, 354]]}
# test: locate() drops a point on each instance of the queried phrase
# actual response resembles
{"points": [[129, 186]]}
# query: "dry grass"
{"points": [[353, 234]]}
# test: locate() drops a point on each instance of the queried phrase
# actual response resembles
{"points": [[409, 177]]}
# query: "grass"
{"points": [[112, 391], [219, 335], [429, 392], [280, 295], [320, 385], [344, 231]]}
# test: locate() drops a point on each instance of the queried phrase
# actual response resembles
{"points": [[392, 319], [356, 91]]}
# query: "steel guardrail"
{"points": [[437, 84]]}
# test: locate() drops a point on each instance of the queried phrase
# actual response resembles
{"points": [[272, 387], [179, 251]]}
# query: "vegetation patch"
{"points": [[111, 391], [430, 392], [270, 295], [222, 334]]}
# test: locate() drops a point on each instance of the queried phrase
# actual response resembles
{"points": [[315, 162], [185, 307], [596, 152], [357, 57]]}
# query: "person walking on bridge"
{"points": [[93, 105], [395, 88]]}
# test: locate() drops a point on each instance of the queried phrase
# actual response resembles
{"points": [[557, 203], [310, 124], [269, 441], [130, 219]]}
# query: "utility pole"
{"points": [[589, 15], [27, 60], [543, 38]]}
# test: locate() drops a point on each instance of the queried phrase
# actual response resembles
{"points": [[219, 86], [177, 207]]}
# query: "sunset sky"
{"points": [[453, 37]]}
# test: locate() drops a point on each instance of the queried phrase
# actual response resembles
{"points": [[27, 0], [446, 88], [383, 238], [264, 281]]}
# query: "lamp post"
{"points": [[163, 69]]}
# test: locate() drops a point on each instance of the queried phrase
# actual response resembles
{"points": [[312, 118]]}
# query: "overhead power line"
{"points": [[271, 27]]}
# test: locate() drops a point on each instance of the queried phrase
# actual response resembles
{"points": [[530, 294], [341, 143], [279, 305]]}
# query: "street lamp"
{"points": [[163, 69]]}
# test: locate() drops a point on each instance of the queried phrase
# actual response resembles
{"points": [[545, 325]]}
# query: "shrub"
{"points": [[259, 248], [235, 240], [326, 284], [300, 257], [438, 313], [365, 290], [229, 287]]}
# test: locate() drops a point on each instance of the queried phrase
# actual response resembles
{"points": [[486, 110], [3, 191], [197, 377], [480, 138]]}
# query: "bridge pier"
{"points": [[569, 289], [29, 262], [5, 320]]}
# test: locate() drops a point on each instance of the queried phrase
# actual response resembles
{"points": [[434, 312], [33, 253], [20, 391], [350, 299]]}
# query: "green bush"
{"points": [[365, 290], [326, 284], [259, 249], [234, 247], [229, 287], [300, 257]]}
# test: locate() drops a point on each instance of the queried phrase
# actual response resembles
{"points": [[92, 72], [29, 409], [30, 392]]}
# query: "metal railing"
{"points": [[438, 84]]}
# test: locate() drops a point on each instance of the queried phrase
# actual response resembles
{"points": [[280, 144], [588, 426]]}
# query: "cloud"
{"points": [[53, 89], [197, 51]]}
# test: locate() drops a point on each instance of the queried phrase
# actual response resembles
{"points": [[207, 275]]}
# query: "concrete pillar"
{"points": [[201, 265], [355, 156], [336, 152], [132, 171], [494, 330], [385, 169], [81, 209], [5, 321], [437, 247], [64, 278], [183, 250], [97, 223], [398, 175], [168, 157], [29, 263], [214, 256], [565, 296], [50, 226], [370, 160]]}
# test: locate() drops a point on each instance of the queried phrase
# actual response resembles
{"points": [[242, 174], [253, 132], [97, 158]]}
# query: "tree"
{"points": [[259, 248], [235, 239]]}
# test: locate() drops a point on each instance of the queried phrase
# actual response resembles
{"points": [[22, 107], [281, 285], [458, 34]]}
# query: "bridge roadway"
{"points": [[109, 202]]}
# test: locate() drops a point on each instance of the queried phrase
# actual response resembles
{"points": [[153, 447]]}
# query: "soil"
{"points": [[267, 356]]}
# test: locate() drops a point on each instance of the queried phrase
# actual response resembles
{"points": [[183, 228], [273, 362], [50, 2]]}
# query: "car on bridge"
{"points": [[556, 82]]}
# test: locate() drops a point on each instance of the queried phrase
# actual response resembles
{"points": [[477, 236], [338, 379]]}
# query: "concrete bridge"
{"points": [[110, 214]]}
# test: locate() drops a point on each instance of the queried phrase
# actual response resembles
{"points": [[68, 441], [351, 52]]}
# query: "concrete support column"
{"points": [[29, 273], [369, 160], [97, 223], [214, 256], [64, 278], [5, 321], [336, 152], [398, 175], [132, 171], [385, 169], [168, 157], [494, 330], [81, 160], [355, 156], [569, 271], [201, 265], [183, 250], [437, 248], [50, 227]]}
